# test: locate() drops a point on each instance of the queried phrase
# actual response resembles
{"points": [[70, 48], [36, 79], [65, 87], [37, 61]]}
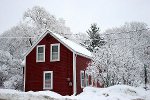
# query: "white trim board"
{"points": [[24, 75], [74, 74]]}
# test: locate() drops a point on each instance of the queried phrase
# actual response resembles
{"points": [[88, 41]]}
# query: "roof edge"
{"points": [[40, 38], [51, 33]]}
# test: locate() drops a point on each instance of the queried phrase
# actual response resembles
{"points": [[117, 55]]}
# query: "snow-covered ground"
{"points": [[117, 92], [8, 94]]}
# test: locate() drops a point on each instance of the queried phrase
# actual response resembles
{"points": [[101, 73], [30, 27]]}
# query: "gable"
{"points": [[72, 46]]}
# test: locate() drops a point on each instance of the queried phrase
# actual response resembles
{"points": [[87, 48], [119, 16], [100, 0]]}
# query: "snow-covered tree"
{"points": [[36, 21], [18, 39], [122, 59], [79, 38], [94, 36], [14, 82], [10, 67], [102, 67], [14, 40], [42, 20]]}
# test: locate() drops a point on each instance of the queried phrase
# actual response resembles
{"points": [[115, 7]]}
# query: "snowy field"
{"points": [[118, 92]]}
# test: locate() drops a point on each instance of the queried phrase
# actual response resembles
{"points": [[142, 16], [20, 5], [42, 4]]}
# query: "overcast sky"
{"points": [[79, 14]]}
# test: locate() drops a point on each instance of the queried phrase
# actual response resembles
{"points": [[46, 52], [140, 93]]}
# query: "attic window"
{"points": [[55, 52], [40, 53]]}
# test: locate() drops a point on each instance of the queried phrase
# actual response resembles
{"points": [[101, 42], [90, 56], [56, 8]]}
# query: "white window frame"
{"points": [[51, 79], [37, 53], [56, 44], [82, 84], [86, 79]]}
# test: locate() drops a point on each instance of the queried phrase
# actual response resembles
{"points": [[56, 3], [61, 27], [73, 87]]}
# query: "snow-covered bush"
{"points": [[15, 82], [10, 71]]}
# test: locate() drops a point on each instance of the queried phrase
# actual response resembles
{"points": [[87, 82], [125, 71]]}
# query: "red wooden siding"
{"points": [[61, 69], [81, 64]]}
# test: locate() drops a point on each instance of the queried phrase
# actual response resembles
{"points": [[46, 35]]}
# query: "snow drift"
{"points": [[17, 95], [117, 92]]}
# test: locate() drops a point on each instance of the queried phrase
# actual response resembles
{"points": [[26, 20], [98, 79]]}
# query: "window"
{"points": [[55, 52], [82, 78], [87, 79], [95, 82], [40, 53], [48, 80]]}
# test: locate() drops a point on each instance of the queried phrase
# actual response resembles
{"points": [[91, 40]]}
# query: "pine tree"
{"points": [[94, 36]]}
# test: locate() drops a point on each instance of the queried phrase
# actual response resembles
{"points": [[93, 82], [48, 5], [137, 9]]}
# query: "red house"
{"points": [[57, 64]]}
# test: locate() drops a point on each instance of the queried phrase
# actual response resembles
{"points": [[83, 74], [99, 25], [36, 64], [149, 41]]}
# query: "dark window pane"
{"points": [[47, 76], [40, 49], [54, 48], [82, 82], [82, 75]]}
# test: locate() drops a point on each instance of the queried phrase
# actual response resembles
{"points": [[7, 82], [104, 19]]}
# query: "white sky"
{"points": [[79, 14]]}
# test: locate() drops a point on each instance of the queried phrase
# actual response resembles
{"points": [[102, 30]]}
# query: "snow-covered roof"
{"points": [[74, 47]]}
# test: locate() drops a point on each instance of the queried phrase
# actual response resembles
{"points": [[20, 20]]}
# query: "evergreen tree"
{"points": [[94, 36]]}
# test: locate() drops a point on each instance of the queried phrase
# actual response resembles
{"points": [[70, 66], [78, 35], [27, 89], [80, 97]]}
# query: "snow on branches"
{"points": [[122, 59]]}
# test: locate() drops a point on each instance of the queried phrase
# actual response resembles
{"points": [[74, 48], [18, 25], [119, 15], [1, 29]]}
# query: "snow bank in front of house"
{"points": [[8, 94], [117, 92]]}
